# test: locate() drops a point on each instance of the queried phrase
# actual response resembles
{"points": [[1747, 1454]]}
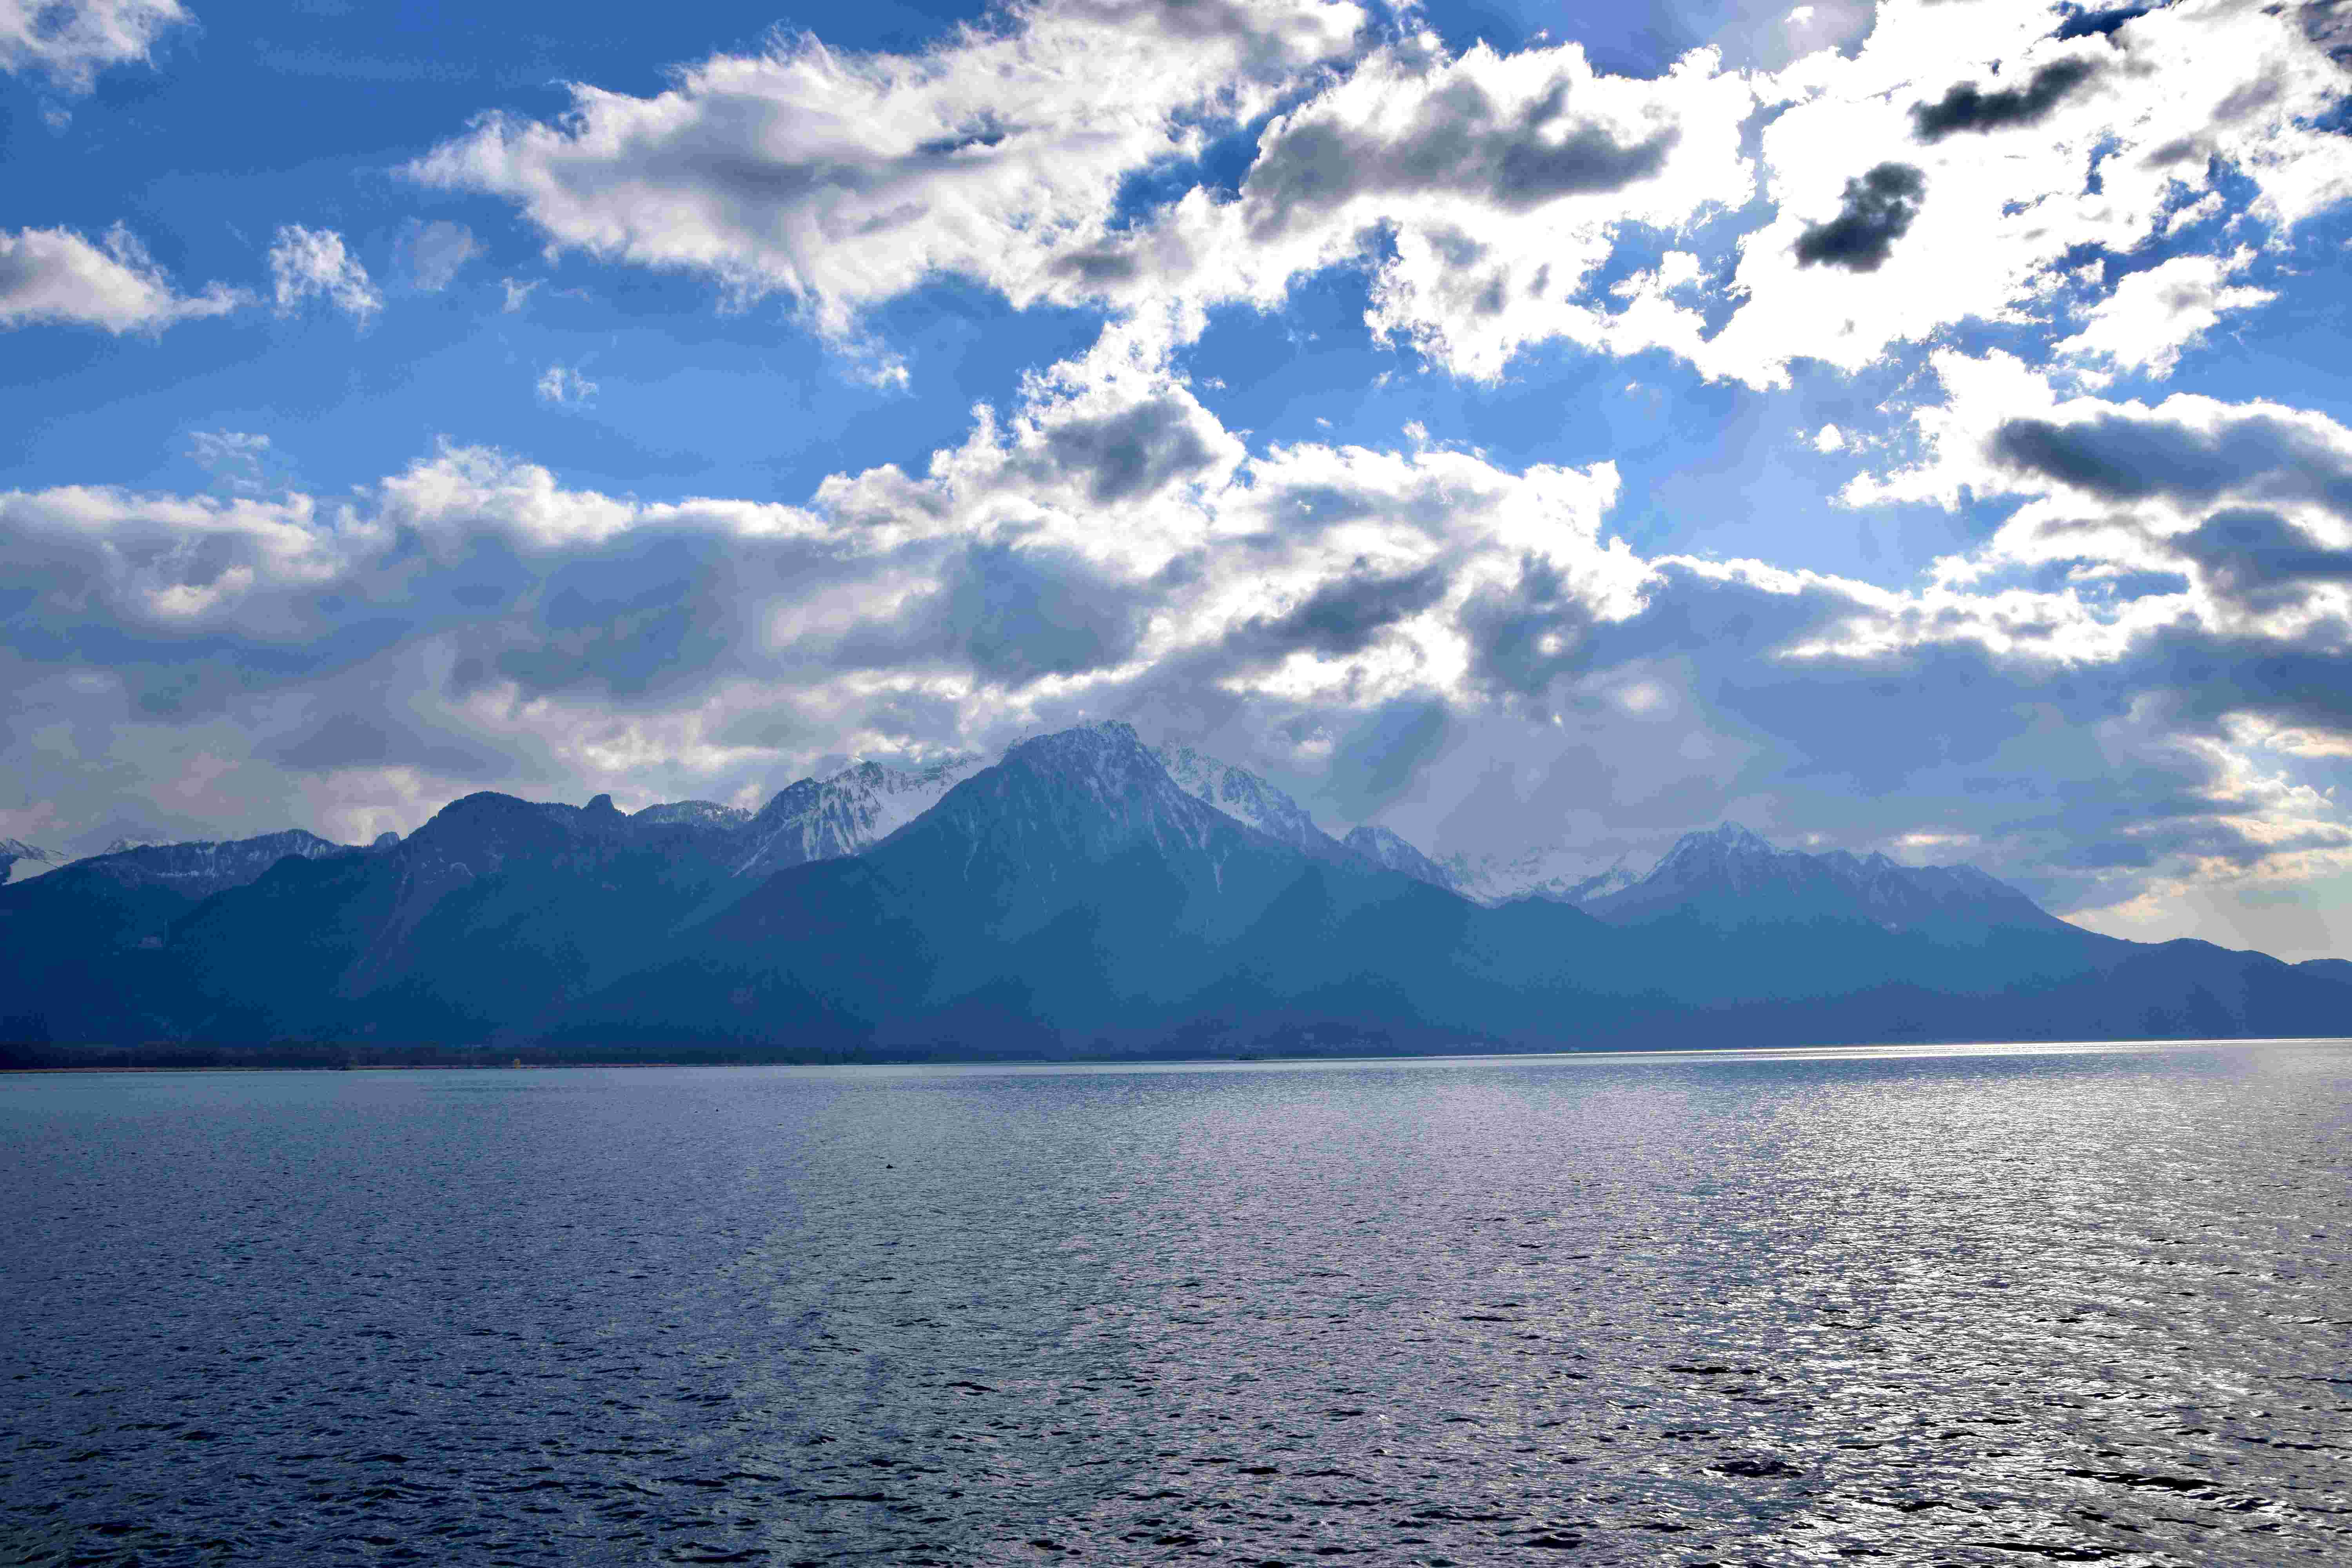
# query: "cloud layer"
{"points": [[1952, 170], [845, 180]]}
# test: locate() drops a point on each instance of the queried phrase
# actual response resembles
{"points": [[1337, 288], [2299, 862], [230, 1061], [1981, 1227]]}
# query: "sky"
{"points": [[1918, 426]]}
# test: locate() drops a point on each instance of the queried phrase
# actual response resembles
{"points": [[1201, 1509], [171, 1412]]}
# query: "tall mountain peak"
{"points": [[1061, 807], [1106, 741]]}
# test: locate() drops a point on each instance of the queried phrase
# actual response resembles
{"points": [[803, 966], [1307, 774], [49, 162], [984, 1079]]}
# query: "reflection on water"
{"points": [[1991, 1307]]}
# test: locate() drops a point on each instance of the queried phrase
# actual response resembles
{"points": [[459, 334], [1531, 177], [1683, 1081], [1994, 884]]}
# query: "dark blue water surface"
{"points": [[1943, 1306]]}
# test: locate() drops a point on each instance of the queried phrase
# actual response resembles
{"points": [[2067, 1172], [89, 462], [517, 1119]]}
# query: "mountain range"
{"points": [[1086, 895]]}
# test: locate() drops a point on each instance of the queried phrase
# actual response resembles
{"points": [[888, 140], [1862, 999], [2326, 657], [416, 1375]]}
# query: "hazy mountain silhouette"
{"points": [[1086, 895], [1731, 877]]}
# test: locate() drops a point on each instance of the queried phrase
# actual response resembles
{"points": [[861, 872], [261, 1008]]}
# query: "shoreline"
{"points": [[1844, 1051]]}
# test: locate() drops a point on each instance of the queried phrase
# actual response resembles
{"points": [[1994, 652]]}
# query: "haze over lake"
{"points": [[1982, 1306]]}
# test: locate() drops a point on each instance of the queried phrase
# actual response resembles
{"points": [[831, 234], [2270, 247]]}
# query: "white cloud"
{"points": [[233, 457], [1829, 438], [54, 275], [564, 383], [1490, 188], [2154, 315], [1953, 168], [308, 264], [72, 40], [844, 179], [2095, 140], [436, 252], [519, 292]]}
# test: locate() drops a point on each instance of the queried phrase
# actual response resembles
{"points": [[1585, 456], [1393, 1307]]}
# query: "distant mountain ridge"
{"points": [[1558, 873], [1730, 875], [1085, 894]]}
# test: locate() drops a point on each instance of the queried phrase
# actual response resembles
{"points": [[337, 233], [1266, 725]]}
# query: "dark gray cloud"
{"points": [[1135, 452], [644, 619], [1020, 615], [184, 676], [2328, 25], [1965, 106], [2083, 23], [1877, 211], [1342, 618], [1098, 266], [2205, 679], [2125, 457], [1458, 141], [350, 741], [2259, 559], [1523, 640]]}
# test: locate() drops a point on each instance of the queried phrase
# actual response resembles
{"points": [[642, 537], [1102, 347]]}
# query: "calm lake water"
{"points": [[1939, 1306]]}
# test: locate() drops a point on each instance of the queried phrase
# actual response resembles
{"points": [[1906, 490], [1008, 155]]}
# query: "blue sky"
{"points": [[1542, 430]]}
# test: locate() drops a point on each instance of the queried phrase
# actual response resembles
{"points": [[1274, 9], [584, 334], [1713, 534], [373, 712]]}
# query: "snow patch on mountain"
{"points": [[202, 868], [19, 861], [1563, 874], [820, 819], [692, 814], [1384, 847], [1244, 796]]}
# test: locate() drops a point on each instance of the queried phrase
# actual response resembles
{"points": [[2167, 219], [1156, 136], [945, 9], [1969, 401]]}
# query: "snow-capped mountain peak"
{"points": [[1076, 797], [1730, 844]]}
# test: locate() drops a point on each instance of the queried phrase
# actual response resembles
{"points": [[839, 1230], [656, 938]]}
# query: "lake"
{"points": [[1996, 1305]]}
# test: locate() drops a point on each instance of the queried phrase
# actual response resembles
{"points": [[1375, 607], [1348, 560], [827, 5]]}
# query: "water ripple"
{"points": [[1988, 1307]]}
